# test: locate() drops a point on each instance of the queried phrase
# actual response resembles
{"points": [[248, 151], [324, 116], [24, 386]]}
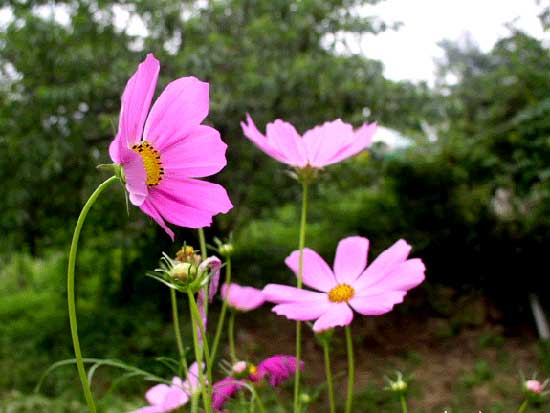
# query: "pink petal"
{"points": [[315, 272], [197, 154], [156, 394], [277, 293], [383, 264], [149, 208], [242, 298], [402, 277], [284, 137], [136, 178], [173, 210], [363, 138], [213, 264], [377, 304], [326, 141], [303, 310], [337, 315], [136, 100], [252, 133], [201, 195], [277, 369], [192, 384], [223, 390], [351, 259], [175, 398], [180, 108]]}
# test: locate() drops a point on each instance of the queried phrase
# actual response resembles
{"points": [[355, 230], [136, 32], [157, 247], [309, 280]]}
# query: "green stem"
{"points": [[196, 320], [328, 372], [202, 242], [523, 406], [177, 331], [71, 293], [258, 401], [221, 319], [351, 369], [231, 334], [301, 245], [403, 403]]}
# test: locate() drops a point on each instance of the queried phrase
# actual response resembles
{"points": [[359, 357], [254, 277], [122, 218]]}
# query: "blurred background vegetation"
{"points": [[470, 190]]}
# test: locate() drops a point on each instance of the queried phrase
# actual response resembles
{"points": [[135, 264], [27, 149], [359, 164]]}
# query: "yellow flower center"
{"points": [[253, 370], [341, 293], [151, 162]]}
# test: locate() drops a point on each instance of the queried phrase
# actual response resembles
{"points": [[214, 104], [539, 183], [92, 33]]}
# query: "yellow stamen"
{"points": [[341, 293], [151, 162], [253, 370]]}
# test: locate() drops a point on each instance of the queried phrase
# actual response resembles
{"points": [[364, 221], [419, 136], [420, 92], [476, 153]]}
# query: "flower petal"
{"points": [[284, 137], [149, 208], [136, 101], [315, 272], [363, 138], [324, 142], [402, 277], [382, 265], [303, 310], [156, 394], [377, 304], [201, 195], [192, 384], [223, 390], [242, 298], [173, 210], [198, 154], [252, 133], [181, 107], [337, 315], [278, 293], [351, 259], [175, 398], [136, 178]]}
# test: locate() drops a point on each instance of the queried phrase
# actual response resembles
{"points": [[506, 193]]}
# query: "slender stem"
{"points": [[202, 242], [196, 320], [177, 331], [231, 334], [523, 406], [71, 293], [403, 403], [221, 319], [328, 372], [258, 401], [301, 245], [351, 369]]}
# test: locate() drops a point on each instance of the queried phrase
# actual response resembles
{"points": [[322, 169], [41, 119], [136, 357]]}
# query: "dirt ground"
{"points": [[453, 367]]}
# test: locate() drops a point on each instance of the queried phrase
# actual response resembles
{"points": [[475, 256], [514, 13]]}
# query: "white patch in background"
{"points": [[409, 53]]}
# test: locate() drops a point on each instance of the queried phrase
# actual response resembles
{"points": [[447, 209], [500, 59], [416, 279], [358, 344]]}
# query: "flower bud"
{"points": [[226, 250], [399, 385], [239, 367], [182, 271]]}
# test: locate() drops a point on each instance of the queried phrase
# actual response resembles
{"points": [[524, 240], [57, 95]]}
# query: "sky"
{"points": [[409, 53]]}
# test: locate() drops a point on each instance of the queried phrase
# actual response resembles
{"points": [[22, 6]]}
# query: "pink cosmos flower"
{"points": [[223, 390], [242, 298], [276, 369], [369, 291], [163, 150], [323, 145], [164, 398]]}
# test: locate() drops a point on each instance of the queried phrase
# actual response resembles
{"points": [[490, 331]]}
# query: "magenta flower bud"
{"points": [[533, 386]]}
